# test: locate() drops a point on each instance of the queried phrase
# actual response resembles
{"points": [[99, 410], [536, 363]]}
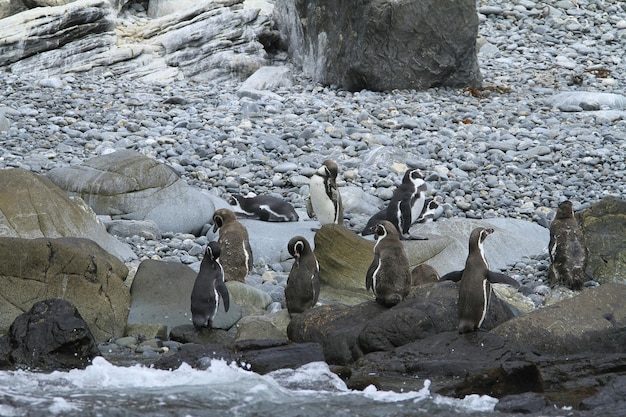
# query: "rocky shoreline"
{"points": [[548, 124]]}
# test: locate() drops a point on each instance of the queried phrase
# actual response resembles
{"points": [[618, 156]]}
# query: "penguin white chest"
{"points": [[323, 206]]}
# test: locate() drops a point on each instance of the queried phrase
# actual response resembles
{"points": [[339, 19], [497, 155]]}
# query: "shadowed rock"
{"points": [[52, 335], [76, 270]]}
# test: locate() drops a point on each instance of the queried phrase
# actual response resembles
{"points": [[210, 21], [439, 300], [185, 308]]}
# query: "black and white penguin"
{"points": [[208, 288], [233, 239], [303, 286], [389, 275], [407, 202], [324, 202], [568, 251], [431, 211], [264, 207], [475, 287]]}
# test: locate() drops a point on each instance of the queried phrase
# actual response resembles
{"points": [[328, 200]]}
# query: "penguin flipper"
{"points": [[369, 277], [498, 278], [223, 292], [454, 276], [309, 208]]}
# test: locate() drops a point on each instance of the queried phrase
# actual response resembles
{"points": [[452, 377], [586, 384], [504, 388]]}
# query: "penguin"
{"points": [[265, 207], [431, 211], [568, 251], [370, 227], [324, 202], [476, 279], [208, 288], [407, 202], [389, 275], [303, 286], [237, 256]]}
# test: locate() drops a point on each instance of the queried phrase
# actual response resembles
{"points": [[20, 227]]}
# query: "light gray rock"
{"points": [[161, 294], [582, 99], [31, 206], [127, 185], [268, 78]]}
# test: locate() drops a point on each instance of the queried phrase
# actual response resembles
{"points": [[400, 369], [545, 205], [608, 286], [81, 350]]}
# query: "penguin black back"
{"points": [[208, 288], [567, 248], [303, 287], [389, 275]]}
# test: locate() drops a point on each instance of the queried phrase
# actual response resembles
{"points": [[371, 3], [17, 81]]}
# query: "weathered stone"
{"points": [[147, 331], [267, 326], [52, 335], [423, 274], [244, 294], [383, 45], [283, 356], [161, 294], [603, 225], [128, 185], [594, 320], [32, 206], [77, 270], [344, 256], [187, 333]]}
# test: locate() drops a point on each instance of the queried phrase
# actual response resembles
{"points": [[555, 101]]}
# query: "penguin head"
{"points": [[328, 169], [213, 251], [565, 210], [412, 176], [297, 246], [222, 216], [385, 228], [235, 200], [477, 237]]}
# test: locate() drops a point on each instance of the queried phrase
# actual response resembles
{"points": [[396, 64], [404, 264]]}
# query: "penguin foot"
{"points": [[315, 229]]}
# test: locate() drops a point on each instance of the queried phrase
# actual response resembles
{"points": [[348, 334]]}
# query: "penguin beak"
{"points": [[215, 227]]}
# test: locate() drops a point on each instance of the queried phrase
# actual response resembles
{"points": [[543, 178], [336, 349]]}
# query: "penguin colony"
{"points": [[389, 275]]}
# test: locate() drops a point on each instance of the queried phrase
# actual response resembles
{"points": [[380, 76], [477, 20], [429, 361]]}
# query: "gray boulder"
{"points": [[603, 226], [382, 45], [128, 185], [161, 294], [76, 270], [344, 256], [50, 336], [32, 206]]}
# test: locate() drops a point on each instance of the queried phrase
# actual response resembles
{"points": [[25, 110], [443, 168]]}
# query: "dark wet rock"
{"points": [[594, 320], [32, 206], [374, 44], [526, 403], [603, 226], [52, 335], [74, 269], [348, 333]]}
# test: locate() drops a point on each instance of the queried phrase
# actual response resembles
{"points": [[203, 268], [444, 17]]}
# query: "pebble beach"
{"points": [[514, 147]]}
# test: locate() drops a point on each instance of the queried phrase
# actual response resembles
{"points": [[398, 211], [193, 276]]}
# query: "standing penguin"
{"points": [[233, 239], [407, 202], [303, 286], [325, 200], [568, 252], [475, 288], [208, 289], [389, 275]]}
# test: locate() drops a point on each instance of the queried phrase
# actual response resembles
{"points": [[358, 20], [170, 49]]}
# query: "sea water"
{"points": [[223, 389]]}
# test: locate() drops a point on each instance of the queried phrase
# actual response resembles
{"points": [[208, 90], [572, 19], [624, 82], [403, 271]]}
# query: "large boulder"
{"points": [[603, 226], [32, 206], [212, 40], [77, 270], [594, 320], [382, 45], [344, 256], [128, 185], [348, 333], [51, 335], [161, 294]]}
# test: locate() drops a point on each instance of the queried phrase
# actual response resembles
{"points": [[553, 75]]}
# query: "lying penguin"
{"points": [[264, 207]]}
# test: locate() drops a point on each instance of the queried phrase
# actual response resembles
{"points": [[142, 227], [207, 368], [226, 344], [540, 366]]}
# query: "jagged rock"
{"points": [[348, 333], [216, 40], [128, 185], [344, 256], [382, 45], [594, 320], [52, 335], [161, 294], [77, 270], [32, 206], [603, 226]]}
